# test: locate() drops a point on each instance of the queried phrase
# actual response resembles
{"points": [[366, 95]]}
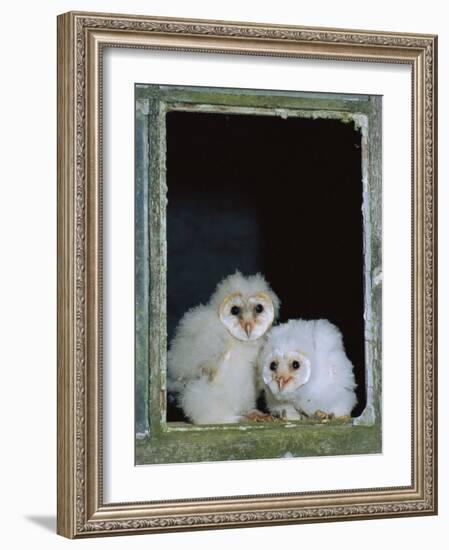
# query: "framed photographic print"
{"points": [[247, 274]]}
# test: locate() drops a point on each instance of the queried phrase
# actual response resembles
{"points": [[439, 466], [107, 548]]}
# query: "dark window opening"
{"points": [[278, 196]]}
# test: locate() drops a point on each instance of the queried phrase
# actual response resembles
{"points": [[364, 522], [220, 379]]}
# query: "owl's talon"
{"points": [[324, 416], [258, 416]]}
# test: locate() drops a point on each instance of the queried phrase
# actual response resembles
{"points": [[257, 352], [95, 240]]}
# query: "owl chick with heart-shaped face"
{"points": [[212, 358], [305, 371]]}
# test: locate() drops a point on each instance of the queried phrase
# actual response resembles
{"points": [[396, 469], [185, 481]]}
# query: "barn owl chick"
{"points": [[305, 370], [211, 360]]}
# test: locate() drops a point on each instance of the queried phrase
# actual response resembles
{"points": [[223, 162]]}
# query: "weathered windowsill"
{"points": [[182, 442]]}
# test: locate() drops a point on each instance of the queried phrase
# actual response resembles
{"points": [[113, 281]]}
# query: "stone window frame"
{"points": [[160, 442]]}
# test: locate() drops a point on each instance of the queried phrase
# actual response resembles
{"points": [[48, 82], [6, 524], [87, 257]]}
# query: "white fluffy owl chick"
{"points": [[212, 357], [305, 369]]}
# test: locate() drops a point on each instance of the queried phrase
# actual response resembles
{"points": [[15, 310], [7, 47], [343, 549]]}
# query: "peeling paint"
{"points": [[377, 276], [283, 113], [367, 418], [361, 123]]}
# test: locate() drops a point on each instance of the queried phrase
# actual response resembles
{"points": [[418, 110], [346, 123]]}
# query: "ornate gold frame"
{"points": [[81, 36]]}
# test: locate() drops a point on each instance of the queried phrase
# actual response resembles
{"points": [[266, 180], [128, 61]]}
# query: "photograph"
{"points": [[262, 210], [246, 274]]}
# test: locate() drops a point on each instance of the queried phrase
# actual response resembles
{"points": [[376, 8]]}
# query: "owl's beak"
{"points": [[248, 327], [283, 381]]}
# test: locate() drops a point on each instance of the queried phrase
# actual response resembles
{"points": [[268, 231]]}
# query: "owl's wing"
{"points": [[199, 338], [341, 369], [332, 356], [332, 384]]}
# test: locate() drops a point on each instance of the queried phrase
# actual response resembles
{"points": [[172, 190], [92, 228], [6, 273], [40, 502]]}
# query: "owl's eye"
{"points": [[273, 366], [259, 308], [296, 365], [235, 310]]}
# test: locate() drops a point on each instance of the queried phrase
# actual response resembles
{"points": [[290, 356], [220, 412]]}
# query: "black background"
{"points": [[278, 196]]}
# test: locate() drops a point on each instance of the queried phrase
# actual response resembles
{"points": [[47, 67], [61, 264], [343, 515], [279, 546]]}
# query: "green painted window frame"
{"points": [[160, 442]]}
